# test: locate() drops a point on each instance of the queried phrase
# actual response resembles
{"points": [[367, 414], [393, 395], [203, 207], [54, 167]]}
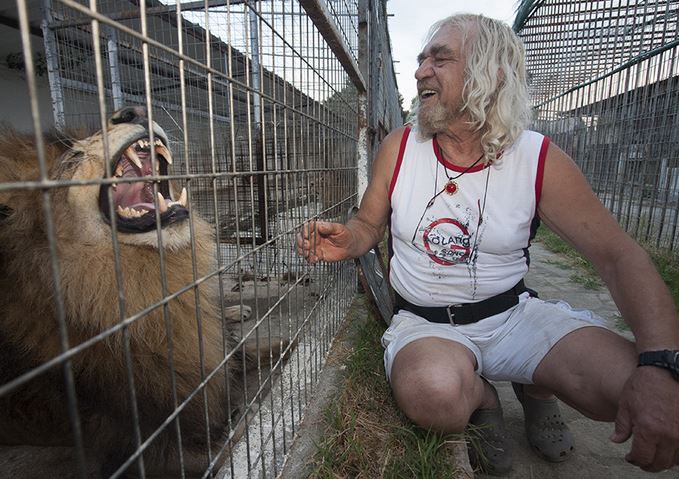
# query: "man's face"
{"points": [[440, 81]]}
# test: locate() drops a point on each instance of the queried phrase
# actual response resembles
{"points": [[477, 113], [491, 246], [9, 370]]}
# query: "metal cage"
{"points": [[605, 79], [272, 110]]}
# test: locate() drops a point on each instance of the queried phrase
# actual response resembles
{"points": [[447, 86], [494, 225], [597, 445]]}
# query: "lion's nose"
{"points": [[129, 114]]}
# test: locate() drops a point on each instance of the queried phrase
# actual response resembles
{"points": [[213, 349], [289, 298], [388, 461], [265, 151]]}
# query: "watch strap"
{"points": [[667, 359]]}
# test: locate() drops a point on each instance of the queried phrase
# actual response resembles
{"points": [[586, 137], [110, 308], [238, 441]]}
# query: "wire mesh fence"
{"points": [[605, 80], [155, 319]]}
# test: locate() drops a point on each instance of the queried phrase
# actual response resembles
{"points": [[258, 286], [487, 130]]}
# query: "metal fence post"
{"points": [[53, 71]]}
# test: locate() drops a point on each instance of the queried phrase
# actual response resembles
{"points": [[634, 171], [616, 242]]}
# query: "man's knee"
{"points": [[588, 369], [440, 404]]}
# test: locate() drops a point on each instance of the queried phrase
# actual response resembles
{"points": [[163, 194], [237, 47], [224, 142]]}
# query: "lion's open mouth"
{"points": [[133, 201]]}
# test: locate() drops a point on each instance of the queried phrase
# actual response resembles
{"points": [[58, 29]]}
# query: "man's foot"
{"points": [[489, 445], [546, 430]]}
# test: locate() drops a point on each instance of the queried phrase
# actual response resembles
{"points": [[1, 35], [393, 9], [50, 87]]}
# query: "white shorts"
{"points": [[508, 346]]}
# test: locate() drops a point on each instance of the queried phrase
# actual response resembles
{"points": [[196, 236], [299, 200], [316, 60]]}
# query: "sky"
{"points": [[411, 22]]}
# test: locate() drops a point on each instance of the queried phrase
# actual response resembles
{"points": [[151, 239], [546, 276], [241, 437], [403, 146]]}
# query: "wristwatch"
{"points": [[668, 359]]}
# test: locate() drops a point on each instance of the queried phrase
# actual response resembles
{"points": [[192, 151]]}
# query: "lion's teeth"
{"points": [[132, 155], [119, 168], [161, 203], [183, 198], [162, 150], [128, 212]]}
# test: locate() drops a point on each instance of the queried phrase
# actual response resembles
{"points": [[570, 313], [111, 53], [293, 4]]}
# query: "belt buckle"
{"points": [[451, 314]]}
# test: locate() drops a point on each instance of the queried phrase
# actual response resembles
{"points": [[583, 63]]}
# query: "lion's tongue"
{"points": [[134, 195]]}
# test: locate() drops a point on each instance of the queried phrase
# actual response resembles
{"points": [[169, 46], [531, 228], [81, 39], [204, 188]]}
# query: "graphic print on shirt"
{"points": [[446, 232]]}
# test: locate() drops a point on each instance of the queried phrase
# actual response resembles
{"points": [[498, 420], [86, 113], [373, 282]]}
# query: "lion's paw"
{"points": [[237, 313]]}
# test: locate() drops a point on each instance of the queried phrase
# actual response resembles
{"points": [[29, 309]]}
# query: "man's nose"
{"points": [[424, 70]]}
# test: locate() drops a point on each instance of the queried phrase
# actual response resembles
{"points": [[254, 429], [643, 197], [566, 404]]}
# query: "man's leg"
{"points": [[435, 384], [587, 369]]}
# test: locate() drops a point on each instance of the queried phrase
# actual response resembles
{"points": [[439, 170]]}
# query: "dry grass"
{"points": [[366, 436]]}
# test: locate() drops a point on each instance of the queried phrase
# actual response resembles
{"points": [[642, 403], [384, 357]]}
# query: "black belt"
{"points": [[467, 313]]}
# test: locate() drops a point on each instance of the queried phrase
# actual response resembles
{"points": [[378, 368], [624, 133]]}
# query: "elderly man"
{"points": [[462, 192]]}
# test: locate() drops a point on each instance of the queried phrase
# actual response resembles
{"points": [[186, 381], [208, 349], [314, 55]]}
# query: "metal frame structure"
{"points": [[273, 109], [605, 80]]}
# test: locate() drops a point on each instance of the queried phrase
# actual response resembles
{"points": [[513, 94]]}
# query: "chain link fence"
{"points": [[270, 113], [605, 81]]}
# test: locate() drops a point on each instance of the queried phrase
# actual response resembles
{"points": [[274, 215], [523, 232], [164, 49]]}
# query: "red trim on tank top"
{"points": [[399, 160], [450, 166], [541, 170]]}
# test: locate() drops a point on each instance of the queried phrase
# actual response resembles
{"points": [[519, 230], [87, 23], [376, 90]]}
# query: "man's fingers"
{"points": [[307, 252], [664, 458], [642, 453], [623, 425], [306, 247]]}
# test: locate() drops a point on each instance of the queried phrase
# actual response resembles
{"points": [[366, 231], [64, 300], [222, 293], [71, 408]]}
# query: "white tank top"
{"points": [[466, 246]]}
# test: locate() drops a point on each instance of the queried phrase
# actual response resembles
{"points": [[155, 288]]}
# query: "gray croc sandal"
{"points": [[546, 430], [489, 448]]}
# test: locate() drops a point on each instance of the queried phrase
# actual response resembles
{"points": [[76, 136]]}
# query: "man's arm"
{"points": [[323, 241], [648, 407], [570, 208]]}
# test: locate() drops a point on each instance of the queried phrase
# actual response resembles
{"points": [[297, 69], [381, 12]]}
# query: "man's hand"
{"points": [[323, 241], [649, 411]]}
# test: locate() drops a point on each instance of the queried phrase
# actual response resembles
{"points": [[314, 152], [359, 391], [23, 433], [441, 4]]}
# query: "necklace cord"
{"points": [[445, 169]]}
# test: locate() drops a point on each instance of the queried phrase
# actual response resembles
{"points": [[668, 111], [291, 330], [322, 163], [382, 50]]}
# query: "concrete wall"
{"points": [[15, 107]]}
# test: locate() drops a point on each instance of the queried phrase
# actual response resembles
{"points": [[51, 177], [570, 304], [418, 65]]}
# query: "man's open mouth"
{"points": [[424, 94], [133, 201]]}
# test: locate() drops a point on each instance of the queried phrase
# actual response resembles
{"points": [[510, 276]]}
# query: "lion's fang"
{"points": [[162, 150], [162, 205], [182, 201], [132, 155]]}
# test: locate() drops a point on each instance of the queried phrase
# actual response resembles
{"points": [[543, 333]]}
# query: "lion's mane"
{"points": [[86, 294]]}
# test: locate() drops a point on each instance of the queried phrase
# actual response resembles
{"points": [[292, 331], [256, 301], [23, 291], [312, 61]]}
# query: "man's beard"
{"points": [[436, 119]]}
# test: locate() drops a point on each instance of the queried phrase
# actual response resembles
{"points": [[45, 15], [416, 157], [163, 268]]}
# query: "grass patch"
{"points": [[620, 324], [366, 436], [586, 275], [667, 262]]}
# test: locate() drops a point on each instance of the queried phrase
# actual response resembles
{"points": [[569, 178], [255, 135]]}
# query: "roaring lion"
{"points": [[141, 338]]}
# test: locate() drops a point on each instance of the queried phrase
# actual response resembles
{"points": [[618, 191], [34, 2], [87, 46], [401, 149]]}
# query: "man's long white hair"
{"points": [[495, 96]]}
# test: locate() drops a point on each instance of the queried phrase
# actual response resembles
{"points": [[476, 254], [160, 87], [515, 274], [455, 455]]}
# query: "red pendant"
{"points": [[451, 187]]}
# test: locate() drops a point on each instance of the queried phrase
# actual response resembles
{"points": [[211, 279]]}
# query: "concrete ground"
{"points": [[595, 457]]}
